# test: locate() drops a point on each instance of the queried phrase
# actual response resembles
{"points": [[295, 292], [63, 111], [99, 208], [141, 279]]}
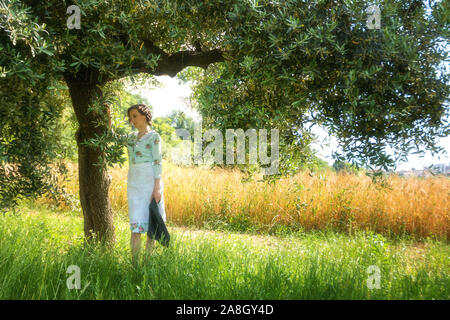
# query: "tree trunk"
{"points": [[93, 180]]}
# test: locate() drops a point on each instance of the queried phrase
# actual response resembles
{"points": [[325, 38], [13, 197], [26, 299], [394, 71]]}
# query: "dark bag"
{"points": [[157, 228]]}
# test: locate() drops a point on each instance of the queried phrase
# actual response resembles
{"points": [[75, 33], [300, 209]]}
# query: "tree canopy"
{"points": [[383, 93]]}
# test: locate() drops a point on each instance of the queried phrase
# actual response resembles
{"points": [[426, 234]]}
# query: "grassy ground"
{"points": [[38, 245]]}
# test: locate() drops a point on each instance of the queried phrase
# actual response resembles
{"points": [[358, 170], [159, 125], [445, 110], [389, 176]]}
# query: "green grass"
{"points": [[38, 245]]}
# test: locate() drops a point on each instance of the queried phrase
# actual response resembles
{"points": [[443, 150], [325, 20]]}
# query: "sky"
{"points": [[170, 96]]}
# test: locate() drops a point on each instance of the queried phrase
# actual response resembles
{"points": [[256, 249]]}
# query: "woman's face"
{"points": [[137, 119]]}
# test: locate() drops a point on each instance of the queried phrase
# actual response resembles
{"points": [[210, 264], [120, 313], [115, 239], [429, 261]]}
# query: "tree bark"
{"points": [[93, 180]]}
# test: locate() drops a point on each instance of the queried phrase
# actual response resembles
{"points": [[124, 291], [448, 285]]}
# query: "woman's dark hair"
{"points": [[142, 109]]}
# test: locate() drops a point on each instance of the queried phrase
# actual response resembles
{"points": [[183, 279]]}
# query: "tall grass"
{"points": [[217, 199], [38, 245]]}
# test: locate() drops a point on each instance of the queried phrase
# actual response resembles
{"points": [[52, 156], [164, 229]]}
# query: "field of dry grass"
{"points": [[214, 198]]}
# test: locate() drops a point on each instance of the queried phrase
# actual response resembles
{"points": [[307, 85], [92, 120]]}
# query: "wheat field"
{"points": [[218, 199]]}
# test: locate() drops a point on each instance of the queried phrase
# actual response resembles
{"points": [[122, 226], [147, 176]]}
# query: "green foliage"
{"points": [[30, 105], [162, 125], [339, 165], [222, 107], [179, 120], [294, 63], [29, 135], [318, 165]]}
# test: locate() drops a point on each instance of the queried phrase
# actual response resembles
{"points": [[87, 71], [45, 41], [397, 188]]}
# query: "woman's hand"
{"points": [[156, 194]]}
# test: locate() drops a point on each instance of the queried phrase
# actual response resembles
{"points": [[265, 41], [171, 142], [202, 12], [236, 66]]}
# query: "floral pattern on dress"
{"points": [[139, 227], [146, 149]]}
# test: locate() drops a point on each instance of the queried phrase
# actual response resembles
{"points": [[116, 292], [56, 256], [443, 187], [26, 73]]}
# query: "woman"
{"points": [[144, 175]]}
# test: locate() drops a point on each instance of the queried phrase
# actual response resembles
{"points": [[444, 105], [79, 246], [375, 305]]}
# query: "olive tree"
{"points": [[283, 64]]}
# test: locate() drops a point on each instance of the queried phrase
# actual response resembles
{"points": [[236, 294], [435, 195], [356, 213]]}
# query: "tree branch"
{"points": [[172, 64]]}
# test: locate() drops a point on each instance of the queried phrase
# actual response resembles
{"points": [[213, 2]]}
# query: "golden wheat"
{"points": [[415, 206]]}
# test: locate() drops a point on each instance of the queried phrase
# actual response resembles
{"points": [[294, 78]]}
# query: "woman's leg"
{"points": [[135, 244], [149, 244]]}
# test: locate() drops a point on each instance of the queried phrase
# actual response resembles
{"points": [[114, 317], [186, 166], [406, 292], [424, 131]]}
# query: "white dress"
{"points": [[141, 182]]}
